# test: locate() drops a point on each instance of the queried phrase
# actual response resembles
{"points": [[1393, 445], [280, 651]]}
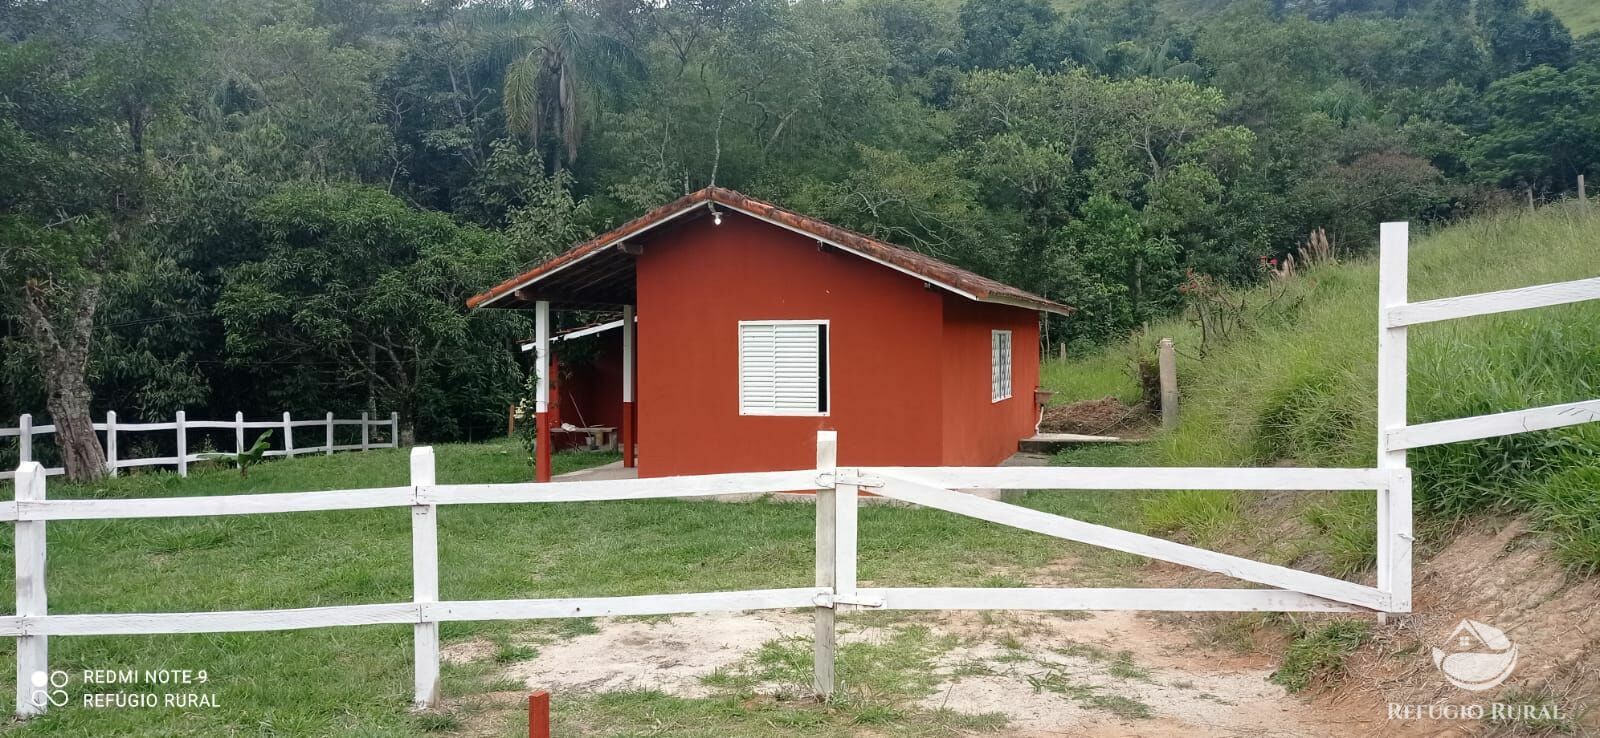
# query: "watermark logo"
{"points": [[1476, 656], [49, 689]]}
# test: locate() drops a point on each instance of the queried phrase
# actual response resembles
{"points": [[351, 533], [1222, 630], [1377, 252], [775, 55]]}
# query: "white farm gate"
{"points": [[837, 489]]}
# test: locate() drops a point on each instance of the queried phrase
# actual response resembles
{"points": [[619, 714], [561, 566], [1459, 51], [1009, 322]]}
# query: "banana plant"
{"points": [[244, 459]]}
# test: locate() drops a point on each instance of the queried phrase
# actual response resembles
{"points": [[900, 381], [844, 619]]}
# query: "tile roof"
{"points": [[955, 279]]}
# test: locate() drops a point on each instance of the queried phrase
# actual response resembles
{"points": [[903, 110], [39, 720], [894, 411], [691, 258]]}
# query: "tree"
{"points": [[183, 184], [1542, 128], [356, 289], [1110, 268], [558, 54], [1009, 33], [1518, 39], [80, 94], [926, 206]]}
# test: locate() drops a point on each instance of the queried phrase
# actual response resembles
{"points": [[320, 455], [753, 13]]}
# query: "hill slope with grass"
{"points": [[1508, 529], [1297, 385], [1582, 16]]}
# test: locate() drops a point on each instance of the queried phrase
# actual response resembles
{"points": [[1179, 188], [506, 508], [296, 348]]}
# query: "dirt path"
{"points": [[1109, 674], [1100, 675]]}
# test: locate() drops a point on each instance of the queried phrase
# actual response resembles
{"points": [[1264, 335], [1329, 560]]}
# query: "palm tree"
{"points": [[1160, 63], [555, 54]]}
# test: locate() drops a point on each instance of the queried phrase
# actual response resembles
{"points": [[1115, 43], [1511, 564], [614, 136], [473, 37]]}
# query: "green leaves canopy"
{"points": [[354, 285]]}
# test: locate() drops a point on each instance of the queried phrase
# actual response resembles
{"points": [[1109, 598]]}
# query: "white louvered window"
{"points": [[999, 365], [783, 367]]}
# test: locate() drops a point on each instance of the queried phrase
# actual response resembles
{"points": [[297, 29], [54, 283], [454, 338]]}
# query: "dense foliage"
{"points": [[261, 206]]}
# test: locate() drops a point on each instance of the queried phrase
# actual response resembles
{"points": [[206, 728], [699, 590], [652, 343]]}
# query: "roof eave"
{"points": [[1042, 306], [510, 287]]}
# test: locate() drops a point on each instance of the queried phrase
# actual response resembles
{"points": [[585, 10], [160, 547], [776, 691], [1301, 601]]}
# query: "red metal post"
{"points": [[539, 714], [629, 367], [542, 447], [627, 434]]}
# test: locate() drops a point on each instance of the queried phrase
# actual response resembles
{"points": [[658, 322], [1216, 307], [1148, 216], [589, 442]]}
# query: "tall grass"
{"points": [[1103, 373], [1301, 385]]}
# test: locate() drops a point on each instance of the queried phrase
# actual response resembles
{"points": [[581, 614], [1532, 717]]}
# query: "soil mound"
{"points": [[1093, 417]]}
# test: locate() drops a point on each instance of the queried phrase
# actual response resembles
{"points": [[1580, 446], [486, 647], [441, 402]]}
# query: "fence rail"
{"points": [[26, 432]]}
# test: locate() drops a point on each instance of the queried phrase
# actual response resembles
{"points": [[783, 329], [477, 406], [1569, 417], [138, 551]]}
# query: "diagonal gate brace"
{"points": [[1120, 540]]}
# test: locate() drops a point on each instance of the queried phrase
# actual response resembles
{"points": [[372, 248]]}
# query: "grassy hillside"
{"points": [[1582, 16], [1299, 386]]}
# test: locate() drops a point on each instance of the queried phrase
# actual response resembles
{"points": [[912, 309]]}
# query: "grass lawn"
{"points": [[356, 681]]}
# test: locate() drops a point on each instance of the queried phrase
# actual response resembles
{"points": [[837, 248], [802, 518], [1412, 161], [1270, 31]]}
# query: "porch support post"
{"points": [[542, 396], [627, 385]]}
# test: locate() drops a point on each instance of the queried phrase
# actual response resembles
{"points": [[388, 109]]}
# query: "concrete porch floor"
{"points": [[613, 470]]}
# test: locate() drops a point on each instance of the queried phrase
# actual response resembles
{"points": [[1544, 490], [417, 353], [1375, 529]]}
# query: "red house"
{"points": [[758, 326]]}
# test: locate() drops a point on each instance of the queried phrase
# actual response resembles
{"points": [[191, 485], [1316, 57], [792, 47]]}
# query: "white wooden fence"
{"points": [[1395, 435], [836, 530], [26, 431], [837, 488]]}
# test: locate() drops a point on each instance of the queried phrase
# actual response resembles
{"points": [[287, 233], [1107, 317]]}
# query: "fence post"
{"points": [[366, 435], [823, 640], [33, 654], [541, 396], [1167, 358], [394, 429], [539, 714], [844, 557], [425, 578], [329, 444], [1583, 194], [111, 442], [25, 438], [1394, 500], [183, 444], [288, 436], [238, 437]]}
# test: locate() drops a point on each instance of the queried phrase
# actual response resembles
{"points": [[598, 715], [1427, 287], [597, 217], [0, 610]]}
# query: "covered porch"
{"points": [[597, 276], [601, 284], [613, 427]]}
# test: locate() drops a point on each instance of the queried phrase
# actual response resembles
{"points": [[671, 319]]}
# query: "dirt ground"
{"points": [[1105, 416], [1109, 674], [1153, 675], [1502, 574]]}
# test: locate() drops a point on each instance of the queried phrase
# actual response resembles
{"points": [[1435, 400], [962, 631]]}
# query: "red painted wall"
{"points": [[909, 365], [977, 430], [698, 281]]}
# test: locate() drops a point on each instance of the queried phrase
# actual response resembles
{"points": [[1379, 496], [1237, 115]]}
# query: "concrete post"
{"points": [[1168, 360]]}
